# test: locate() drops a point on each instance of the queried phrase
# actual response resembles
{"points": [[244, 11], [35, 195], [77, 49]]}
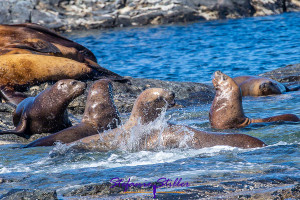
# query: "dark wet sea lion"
{"points": [[100, 114], [227, 110], [21, 70], [260, 86], [46, 113], [138, 133], [40, 40]]}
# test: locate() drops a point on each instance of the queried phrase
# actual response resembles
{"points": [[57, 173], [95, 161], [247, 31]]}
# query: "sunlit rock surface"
{"points": [[86, 14]]}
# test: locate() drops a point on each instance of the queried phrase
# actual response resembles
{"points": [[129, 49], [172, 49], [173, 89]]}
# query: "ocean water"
{"points": [[184, 52]]}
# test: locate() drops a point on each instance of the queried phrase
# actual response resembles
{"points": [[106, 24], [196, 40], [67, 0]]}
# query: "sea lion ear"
{"points": [[74, 82]]}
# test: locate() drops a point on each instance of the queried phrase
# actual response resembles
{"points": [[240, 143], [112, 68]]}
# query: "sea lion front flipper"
{"points": [[12, 96], [37, 45], [20, 129]]}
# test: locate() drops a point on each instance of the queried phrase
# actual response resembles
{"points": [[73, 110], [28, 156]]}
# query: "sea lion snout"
{"points": [[219, 77]]}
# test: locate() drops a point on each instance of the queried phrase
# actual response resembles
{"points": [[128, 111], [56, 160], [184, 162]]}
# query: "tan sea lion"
{"points": [[227, 110], [37, 39], [100, 114], [260, 86], [46, 113], [139, 133], [18, 71]]}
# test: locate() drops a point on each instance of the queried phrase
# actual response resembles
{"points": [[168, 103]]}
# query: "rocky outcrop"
{"points": [[29, 194], [86, 14], [289, 74]]}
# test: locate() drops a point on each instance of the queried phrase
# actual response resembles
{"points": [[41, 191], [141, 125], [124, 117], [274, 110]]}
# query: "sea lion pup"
{"points": [[18, 71], [100, 114], [227, 110], [46, 113], [139, 134], [260, 86], [37, 39]]}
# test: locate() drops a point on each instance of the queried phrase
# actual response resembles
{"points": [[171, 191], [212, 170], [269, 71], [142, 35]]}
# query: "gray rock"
{"points": [[21, 11], [288, 74], [94, 189], [24, 194], [42, 17], [68, 15], [5, 12]]}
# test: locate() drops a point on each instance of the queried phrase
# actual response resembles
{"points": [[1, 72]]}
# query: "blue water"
{"points": [[190, 52]]}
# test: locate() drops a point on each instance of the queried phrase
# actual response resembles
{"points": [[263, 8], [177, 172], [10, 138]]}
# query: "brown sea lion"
{"points": [[260, 86], [139, 133], [100, 114], [18, 71], [37, 39], [46, 113], [227, 110]]}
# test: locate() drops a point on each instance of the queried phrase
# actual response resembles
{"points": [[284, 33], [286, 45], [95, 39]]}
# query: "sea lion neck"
{"points": [[99, 105]]}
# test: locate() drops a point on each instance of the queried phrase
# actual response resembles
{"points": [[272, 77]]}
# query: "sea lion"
{"points": [[18, 71], [46, 113], [227, 110], [37, 39], [139, 132], [100, 114], [260, 86]]}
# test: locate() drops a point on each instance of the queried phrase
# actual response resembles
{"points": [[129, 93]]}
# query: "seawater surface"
{"points": [[190, 52]]}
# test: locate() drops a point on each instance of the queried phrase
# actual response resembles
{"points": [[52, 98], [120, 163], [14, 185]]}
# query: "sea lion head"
{"points": [[69, 89], [222, 82], [268, 87], [100, 108], [150, 104]]}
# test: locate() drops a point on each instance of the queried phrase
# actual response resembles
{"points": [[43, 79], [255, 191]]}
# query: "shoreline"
{"points": [[69, 15]]}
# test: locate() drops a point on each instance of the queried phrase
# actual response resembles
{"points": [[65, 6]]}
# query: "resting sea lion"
{"points": [[100, 114], [46, 113], [260, 86], [138, 134], [18, 71], [227, 109], [37, 39]]}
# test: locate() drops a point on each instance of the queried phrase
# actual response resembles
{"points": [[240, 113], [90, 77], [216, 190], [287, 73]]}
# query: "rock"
{"points": [[268, 7], [5, 12], [94, 189], [49, 18], [21, 11], [290, 73], [68, 15], [29, 194]]}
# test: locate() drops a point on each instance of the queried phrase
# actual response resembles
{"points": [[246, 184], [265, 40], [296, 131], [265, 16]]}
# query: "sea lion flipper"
{"points": [[12, 96], [20, 129], [292, 89], [37, 45]]}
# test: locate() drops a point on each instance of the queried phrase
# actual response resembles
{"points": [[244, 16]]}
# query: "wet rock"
{"points": [[29, 194], [94, 189], [290, 73]]}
